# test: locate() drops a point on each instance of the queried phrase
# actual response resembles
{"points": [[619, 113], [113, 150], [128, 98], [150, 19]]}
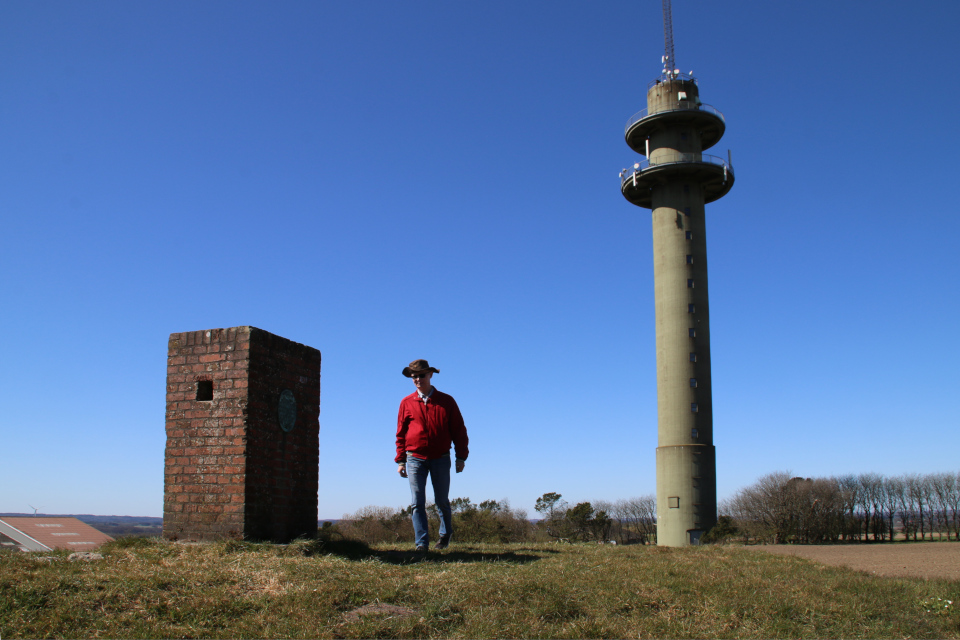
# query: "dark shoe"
{"points": [[421, 549], [443, 543]]}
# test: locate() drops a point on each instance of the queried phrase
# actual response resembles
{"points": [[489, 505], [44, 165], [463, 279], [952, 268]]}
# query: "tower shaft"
{"points": [[675, 181], [686, 477]]}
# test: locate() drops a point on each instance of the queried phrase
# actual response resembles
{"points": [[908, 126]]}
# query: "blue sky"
{"points": [[387, 181]]}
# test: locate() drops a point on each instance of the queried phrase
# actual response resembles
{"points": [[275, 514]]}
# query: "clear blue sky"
{"points": [[387, 181]]}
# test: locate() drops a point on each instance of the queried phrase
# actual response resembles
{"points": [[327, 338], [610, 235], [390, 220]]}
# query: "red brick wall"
{"points": [[231, 471]]}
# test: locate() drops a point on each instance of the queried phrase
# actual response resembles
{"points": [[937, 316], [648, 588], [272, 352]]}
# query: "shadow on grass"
{"points": [[453, 556], [355, 550]]}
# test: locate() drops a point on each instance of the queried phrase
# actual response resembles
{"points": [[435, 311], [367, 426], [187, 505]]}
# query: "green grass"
{"points": [[151, 588]]}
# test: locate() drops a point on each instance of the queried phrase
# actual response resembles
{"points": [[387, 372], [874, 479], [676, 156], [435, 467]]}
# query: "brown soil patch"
{"points": [[912, 560]]}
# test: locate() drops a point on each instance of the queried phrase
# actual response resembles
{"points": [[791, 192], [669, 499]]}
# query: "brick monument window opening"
{"points": [[204, 390]]}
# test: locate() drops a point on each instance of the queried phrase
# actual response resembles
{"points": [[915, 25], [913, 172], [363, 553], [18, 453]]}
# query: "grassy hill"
{"points": [[151, 588]]}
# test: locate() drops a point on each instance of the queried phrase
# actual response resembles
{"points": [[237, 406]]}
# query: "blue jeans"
{"points": [[439, 471]]}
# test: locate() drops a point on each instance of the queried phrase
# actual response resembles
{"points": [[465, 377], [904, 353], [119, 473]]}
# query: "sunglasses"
{"points": [[417, 376]]}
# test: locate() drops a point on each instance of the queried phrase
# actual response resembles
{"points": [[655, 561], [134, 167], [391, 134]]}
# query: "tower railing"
{"points": [[681, 106], [672, 158], [670, 76]]}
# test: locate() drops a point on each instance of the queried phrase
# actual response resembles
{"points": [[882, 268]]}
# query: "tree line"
{"points": [[781, 508], [628, 521]]}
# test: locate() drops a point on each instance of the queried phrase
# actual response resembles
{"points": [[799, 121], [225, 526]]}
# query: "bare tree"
{"points": [[955, 507], [741, 511], [942, 488], [918, 491], [825, 511], [763, 509], [799, 502], [850, 494], [637, 519], [892, 490], [954, 500], [871, 500]]}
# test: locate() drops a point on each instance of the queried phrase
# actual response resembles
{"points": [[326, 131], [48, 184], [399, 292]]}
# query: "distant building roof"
{"points": [[47, 534]]}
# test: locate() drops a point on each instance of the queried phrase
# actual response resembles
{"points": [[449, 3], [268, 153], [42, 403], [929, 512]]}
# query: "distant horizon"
{"points": [[72, 515], [94, 515]]}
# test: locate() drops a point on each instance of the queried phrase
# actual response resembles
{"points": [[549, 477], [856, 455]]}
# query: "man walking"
{"points": [[429, 421]]}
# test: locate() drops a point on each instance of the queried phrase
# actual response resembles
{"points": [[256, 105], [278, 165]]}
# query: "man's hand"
{"points": [[460, 464], [402, 470]]}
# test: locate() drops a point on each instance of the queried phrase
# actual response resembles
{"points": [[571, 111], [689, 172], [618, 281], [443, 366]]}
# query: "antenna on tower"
{"points": [[669, 63]]}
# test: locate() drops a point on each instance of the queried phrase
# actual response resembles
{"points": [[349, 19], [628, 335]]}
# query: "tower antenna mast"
{"points": [[669, 62]]}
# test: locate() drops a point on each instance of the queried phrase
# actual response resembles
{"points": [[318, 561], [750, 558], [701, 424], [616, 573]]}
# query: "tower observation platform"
{"points": [[685, 114], [675, 179]]}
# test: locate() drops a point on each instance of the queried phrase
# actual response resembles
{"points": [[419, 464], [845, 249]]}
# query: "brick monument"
{"points": [[243, 424]]}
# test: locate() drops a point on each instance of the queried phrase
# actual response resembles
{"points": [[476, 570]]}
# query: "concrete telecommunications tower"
{"points": [[675, 180]]}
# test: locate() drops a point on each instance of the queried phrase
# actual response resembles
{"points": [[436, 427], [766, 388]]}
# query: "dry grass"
{"points": [[160, 589]]}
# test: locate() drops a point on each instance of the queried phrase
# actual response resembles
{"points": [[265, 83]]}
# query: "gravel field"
{"points": [[914, 560]]}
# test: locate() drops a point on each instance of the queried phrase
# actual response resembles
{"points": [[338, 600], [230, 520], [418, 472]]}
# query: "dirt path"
{"points": [[914, 560]]}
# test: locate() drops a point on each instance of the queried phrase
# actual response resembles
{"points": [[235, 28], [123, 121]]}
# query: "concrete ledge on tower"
{"points": [[706, 119], [714, 175]]}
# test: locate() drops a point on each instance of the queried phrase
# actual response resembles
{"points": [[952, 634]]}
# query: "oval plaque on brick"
{"points": [[287, 410]]}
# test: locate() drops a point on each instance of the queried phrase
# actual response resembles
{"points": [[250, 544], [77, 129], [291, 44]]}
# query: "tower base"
{"points": [[686, 494]]}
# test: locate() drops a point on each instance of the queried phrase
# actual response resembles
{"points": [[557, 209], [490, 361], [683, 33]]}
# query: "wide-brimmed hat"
{"points": [[418, 366]]}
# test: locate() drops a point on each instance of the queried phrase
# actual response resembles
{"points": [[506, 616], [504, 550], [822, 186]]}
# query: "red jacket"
{"points": [[426, 430]]}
